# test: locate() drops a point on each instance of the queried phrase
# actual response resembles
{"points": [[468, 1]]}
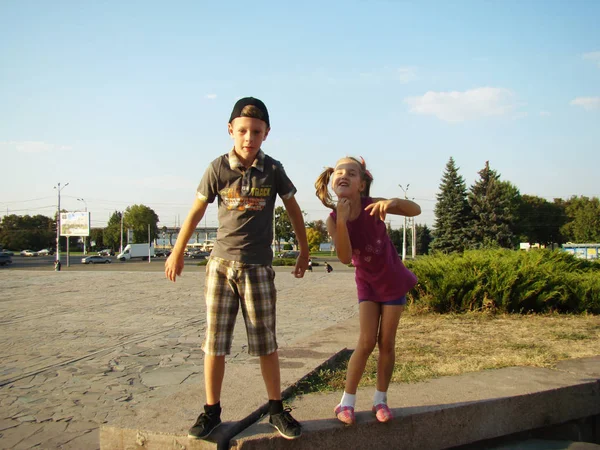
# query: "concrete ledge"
{"points": [[446, 412], [164, 424]]}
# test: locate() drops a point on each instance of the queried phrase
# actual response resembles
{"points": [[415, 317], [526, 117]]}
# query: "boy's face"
{"points": [[248, 135]]}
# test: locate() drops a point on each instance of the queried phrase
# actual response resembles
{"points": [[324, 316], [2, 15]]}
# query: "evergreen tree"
{"points": [[451, 212], [423, 239], [494, 205]]}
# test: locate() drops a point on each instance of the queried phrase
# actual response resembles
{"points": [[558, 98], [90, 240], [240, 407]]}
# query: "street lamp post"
{"points": [[84, 237], [58, 189], [404, 228]]}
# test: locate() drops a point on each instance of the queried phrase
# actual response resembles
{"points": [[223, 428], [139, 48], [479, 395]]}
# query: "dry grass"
{"points": [[433, 345]]}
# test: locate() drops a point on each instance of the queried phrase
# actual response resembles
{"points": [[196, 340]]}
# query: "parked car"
{"points": [[45, 252], [8, 252], [28, 253], [96, 259], [5, 258], [162, 252], [106, 252], [289, 254], [199, 255]]}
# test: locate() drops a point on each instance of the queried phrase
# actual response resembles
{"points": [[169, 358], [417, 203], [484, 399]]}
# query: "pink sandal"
{"points": [[382, 412], [345, 414]]}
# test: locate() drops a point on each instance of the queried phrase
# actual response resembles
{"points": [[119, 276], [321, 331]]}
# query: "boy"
{"points": [[245, 181]]}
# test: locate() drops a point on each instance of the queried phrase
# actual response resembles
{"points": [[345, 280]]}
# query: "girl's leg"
{"points": [[369, 313], [390, 316], [369, 324]]}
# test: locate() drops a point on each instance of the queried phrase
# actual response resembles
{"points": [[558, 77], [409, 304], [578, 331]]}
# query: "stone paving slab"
{"points": [[80, 349]]}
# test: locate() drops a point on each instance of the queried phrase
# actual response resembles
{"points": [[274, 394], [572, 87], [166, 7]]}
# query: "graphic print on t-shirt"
{"points": [[256, 200]]}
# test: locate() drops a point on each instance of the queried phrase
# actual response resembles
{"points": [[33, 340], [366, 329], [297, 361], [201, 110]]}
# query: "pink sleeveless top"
{"points": [[380, 275]]}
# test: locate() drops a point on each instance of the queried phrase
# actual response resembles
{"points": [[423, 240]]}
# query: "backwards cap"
{"points": [[243, 102]]}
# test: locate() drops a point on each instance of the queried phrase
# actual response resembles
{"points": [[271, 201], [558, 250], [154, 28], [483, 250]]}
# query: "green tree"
{"points": [[451, 211], [583, 215], [112, 232], [314, 239], [283, 226], [97, 236], [539, 220], [137, 218], [396, 238], [494, 205], [321, 228], [424, 239], [34, 232]]}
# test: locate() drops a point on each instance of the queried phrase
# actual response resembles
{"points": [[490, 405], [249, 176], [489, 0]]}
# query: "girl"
{"points": [[359, 234]]}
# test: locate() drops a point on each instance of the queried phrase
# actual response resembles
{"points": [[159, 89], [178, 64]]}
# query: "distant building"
{"points": [[326, 247], [583, 251]]}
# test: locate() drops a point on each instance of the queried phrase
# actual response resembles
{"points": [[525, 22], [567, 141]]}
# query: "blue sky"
{"points": [[128, 101]]}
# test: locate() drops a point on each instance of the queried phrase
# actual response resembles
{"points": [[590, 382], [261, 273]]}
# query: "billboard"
{"points": [[75, 223]]}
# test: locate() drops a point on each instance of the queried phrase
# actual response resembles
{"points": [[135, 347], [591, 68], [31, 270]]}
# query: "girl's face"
{"points": [[347, 179]]}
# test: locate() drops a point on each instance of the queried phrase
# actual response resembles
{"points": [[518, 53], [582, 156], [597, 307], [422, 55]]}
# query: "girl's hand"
{"points": [[343, 209], [174, 266], [380, 208]]}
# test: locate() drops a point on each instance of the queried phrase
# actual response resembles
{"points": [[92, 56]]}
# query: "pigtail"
{"points": [[366, 175], [322, 190]]}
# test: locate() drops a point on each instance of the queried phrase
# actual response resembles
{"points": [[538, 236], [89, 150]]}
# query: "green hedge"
{"points": [[284, 261], [276, 262], [506, 281]]}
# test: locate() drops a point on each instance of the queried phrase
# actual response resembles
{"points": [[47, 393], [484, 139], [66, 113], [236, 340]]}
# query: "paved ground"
{"points": [[80, 347]]}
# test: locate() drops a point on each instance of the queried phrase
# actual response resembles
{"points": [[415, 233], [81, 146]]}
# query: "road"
{"points": [[155, 265]]}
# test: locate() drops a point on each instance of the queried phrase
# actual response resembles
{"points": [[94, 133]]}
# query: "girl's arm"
{"points": [[381, 206], [174, 263], [339, 233]]}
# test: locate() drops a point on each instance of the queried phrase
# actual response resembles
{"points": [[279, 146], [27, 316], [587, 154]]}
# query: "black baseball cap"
{"points": [[243, 102]]}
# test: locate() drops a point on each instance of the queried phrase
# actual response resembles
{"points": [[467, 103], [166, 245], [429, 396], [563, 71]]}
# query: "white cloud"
{"points": [[33, 146], [593, 56], [458, 106], [544, 113], [587, 103], [211, 96]]}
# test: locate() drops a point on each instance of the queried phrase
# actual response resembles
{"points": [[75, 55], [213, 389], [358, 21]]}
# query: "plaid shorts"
{"points": [[228, 285]]}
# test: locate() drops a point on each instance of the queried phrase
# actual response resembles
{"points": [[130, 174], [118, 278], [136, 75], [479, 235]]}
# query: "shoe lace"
{"points": [[202, 420], [286, 413]]}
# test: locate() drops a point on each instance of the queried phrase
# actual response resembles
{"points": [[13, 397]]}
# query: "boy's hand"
{"points": [[379, 209], [301, 266], [174, 266]]}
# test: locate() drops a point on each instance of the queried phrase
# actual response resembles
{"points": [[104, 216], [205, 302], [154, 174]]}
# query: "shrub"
{"points": [[506, 281], [284, 262]]}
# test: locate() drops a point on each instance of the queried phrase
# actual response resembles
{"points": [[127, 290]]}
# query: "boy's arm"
{"points": [[382, 206], [174, 263], [295, 215], [341, 239]]}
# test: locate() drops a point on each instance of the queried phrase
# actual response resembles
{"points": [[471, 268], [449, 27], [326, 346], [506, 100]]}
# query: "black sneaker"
{"points": [[205, 424], [287, 426]]}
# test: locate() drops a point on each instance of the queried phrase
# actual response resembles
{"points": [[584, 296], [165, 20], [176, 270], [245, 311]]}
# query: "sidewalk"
{"points": [[83, 348], [120, 350]]}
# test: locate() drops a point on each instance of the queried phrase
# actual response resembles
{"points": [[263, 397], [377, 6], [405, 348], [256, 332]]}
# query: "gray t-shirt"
{"points": [[246, 199]]}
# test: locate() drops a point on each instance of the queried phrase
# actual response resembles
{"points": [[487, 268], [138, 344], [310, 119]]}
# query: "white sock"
{"points": [[380, 397], [348, 399]]}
